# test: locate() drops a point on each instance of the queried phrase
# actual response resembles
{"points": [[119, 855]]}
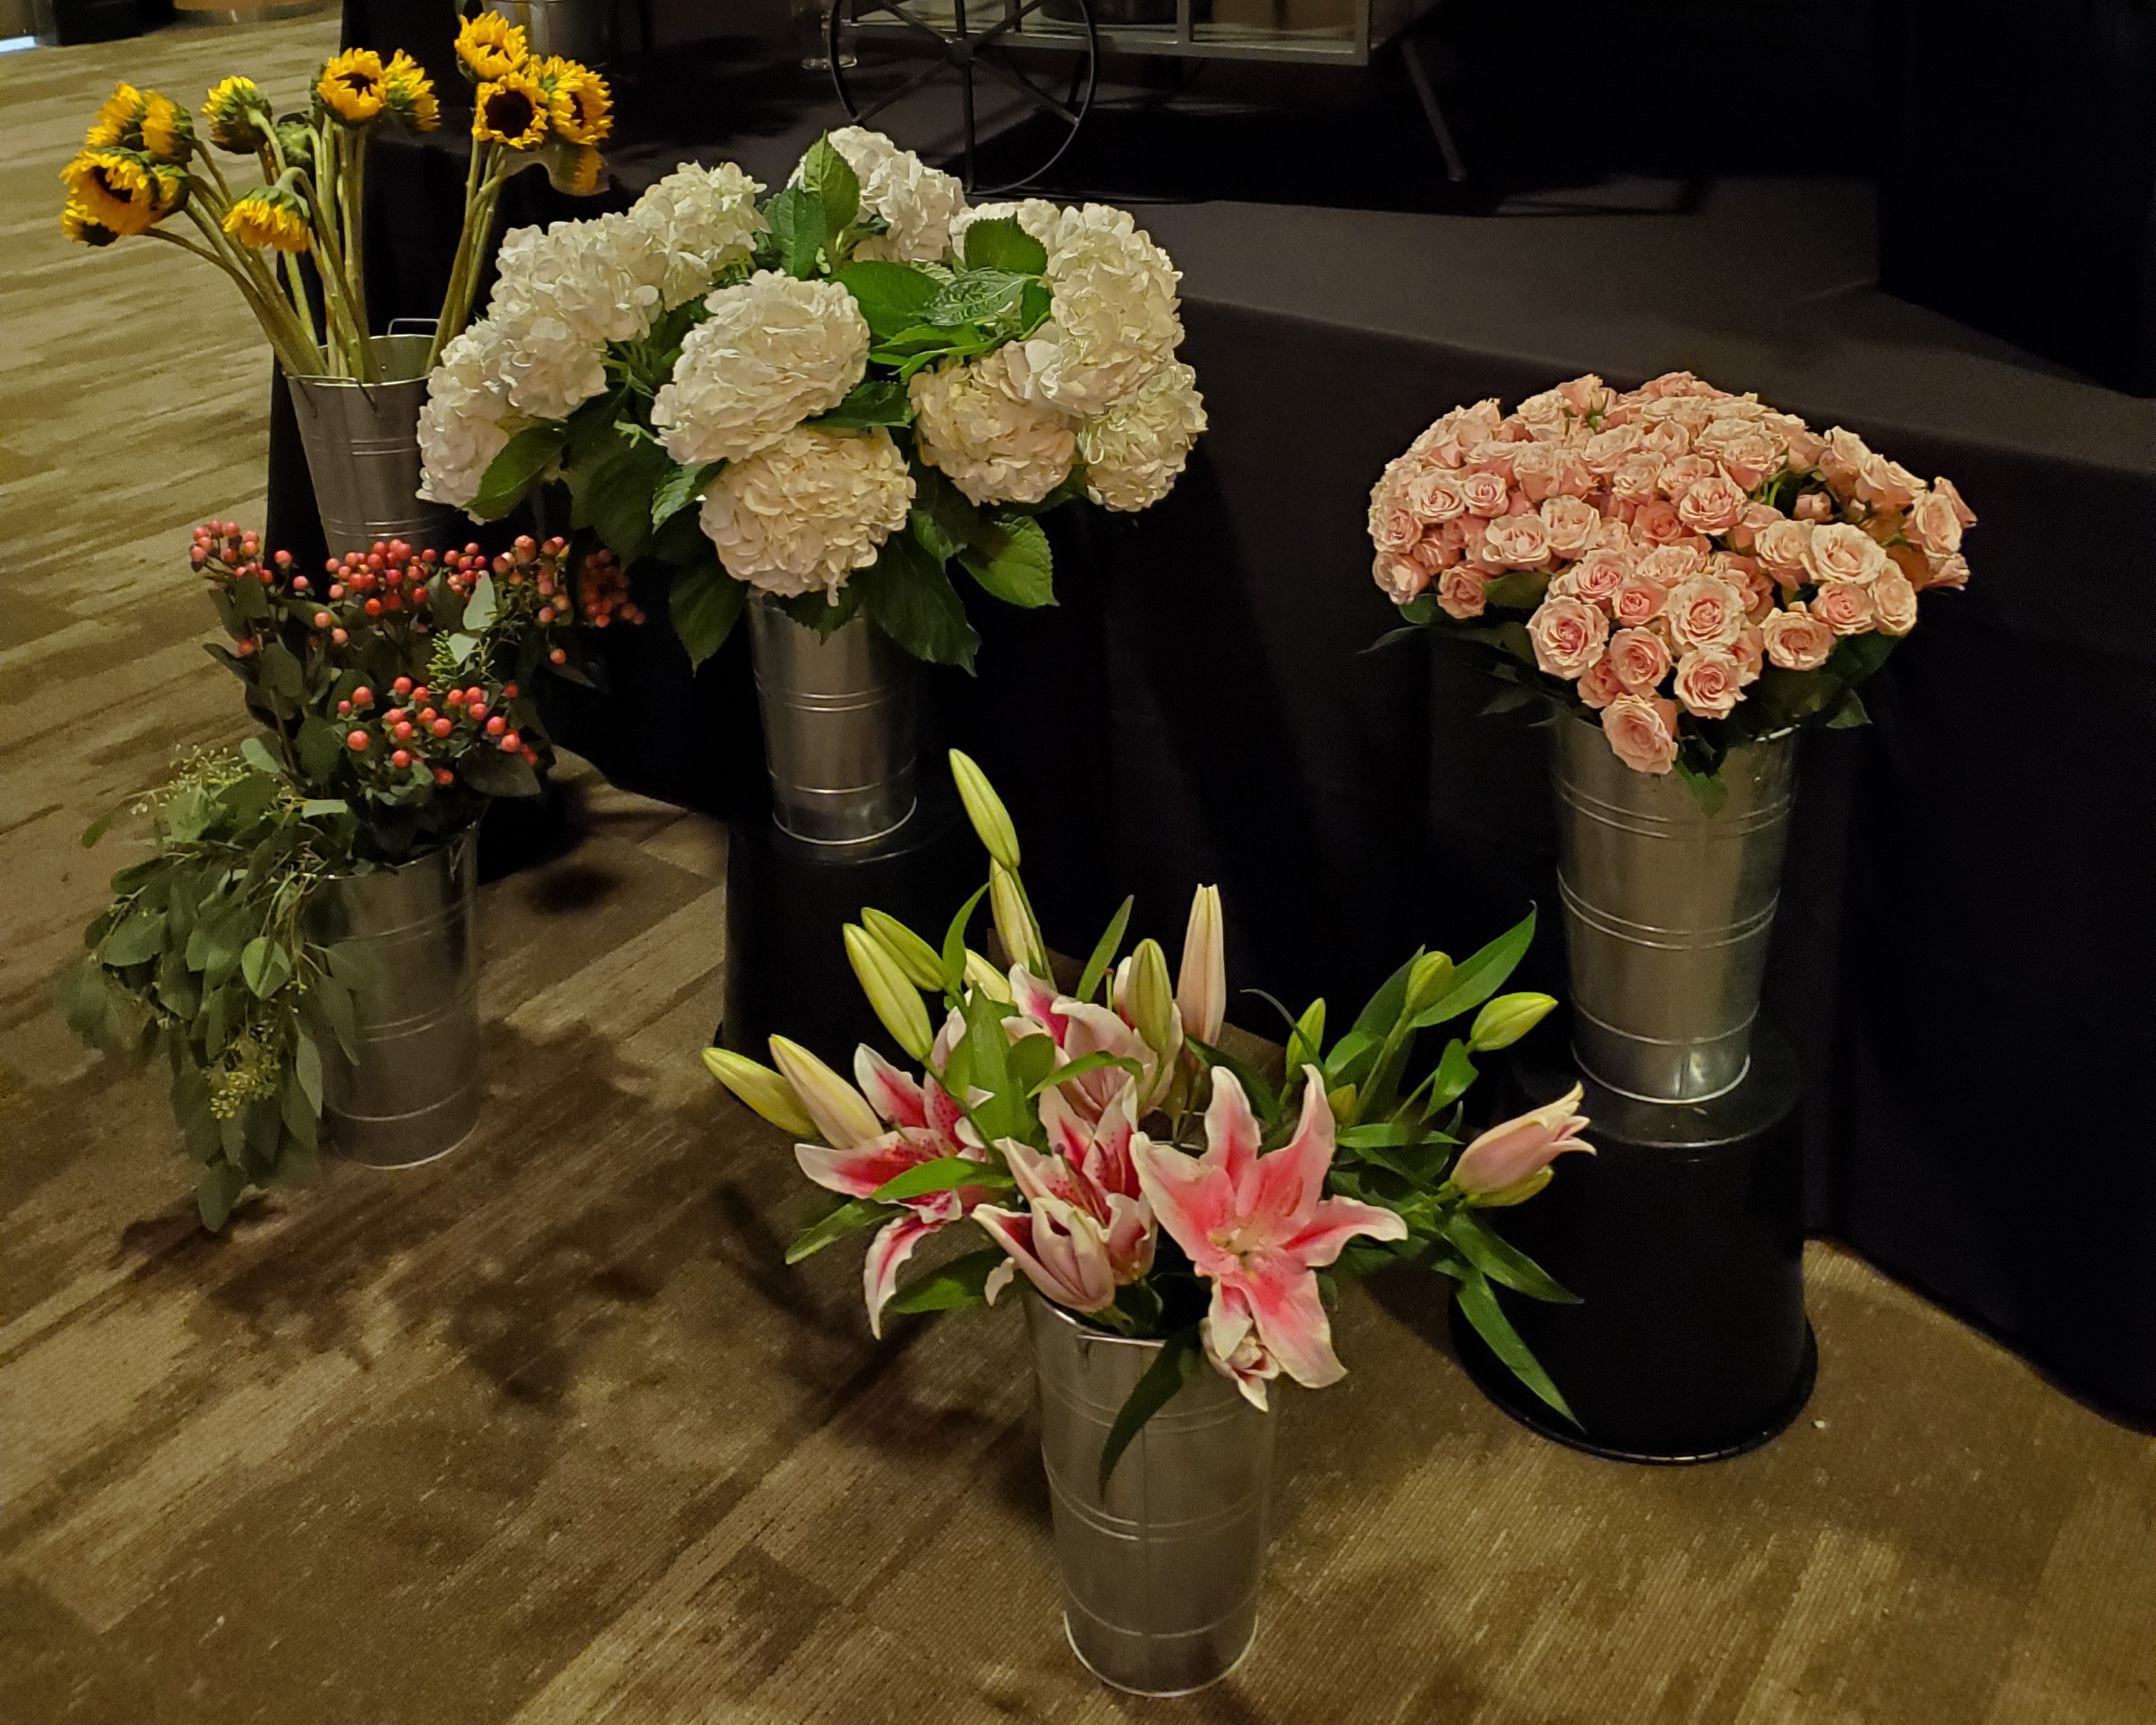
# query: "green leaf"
{"points": [[481, 609], [351, 963], [954, 944], [703, 603], [1479, 1303], [97, 829], [256, 753], [1177, 1361], [1105, 950], [1260, 1092], [307, 1069], [828, 174], [1098, 1060], [1000, 244], [1520, 591], [334, 1001], [493, 773], [265, 966], [961, 1282], [139, 938], [679, 489], [319, 746], [617, 498], [1455, 1072], [799, 230], [282, 674], [941, 519], [1707, 788], [946, 1173], [1502, 1262], [513, 472], [300, 1113], [216, 1192], [1850, 713], [910, 599], [1479, 976], [891, 296], [873, 402], [836, 1224], [977, 296], [1012, 560]]}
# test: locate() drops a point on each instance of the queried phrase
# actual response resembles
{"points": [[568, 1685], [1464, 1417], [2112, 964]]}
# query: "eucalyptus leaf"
{"points": [[139, 937], [266, 966]]}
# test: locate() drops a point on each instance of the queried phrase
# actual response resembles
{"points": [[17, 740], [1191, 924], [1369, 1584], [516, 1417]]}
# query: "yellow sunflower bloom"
{"points": [[238, 115], [114, 188], [577, 169], [489, 47], [351, 86], [119, 121], [172, 185], [80, 225], [270, 217], [168, 132], [511, 109], [578, 102], [411, 92]]}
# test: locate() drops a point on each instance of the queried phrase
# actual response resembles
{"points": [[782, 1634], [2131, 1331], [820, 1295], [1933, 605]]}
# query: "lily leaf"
{"points": [[855, 1213], [1480, 975], [961, 1282], [946, 1173], [1098, 1060], [1502, 1262], [1179, 1360], [1479, 1304], [1104, 951]]}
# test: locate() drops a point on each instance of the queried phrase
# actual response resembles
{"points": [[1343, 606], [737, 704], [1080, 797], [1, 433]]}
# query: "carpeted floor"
{"points": [[547, 1434]]}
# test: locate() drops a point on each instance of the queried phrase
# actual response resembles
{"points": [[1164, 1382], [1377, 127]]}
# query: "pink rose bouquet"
{"points": [[1689, 568], [1135, 1173]]}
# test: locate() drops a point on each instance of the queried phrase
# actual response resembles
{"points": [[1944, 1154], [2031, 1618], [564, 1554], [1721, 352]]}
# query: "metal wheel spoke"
{"points": [[1017, 80], [864, 114]]}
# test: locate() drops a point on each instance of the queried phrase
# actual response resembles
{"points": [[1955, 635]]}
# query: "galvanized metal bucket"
{"points": [[1668, 910], [414, 1092], [575, 29], [363, 444], [839, 726], [1161, 1576]]}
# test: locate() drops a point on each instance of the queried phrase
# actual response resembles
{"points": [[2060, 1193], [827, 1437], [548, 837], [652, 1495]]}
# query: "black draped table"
{"points": [[1965, 953]]}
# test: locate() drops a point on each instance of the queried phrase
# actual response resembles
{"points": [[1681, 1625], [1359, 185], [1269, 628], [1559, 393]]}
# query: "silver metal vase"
{"points": [[1160, 1576], [363, 444], [1668, 910], [414, 1092], [575, 29], [839, 726]]}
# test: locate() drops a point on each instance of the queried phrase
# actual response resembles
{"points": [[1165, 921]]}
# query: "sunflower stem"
{"points": [[456, 301], [280, 342]]}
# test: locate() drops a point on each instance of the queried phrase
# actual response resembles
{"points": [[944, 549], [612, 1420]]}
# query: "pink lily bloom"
{"points": [[1086, 1230], [1260, 1227], [1079, 1028], [1517, 1154], [925, 1125]]}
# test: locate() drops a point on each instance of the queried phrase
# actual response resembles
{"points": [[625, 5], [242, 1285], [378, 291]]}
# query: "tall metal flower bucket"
{"points": [[1667, 912], [574, 29], [839, 726], [1161, 1575], [414, 1092], [363, 444]]}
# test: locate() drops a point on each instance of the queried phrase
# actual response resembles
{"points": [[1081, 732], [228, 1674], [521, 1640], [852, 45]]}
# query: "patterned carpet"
{"points": [[546, 1434]]}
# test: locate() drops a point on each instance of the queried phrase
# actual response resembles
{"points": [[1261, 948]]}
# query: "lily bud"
{"points": [[1506, 1020], [1014, 924], [1148, 1002], [1201, 986], [1427, 982], [984, 976], [1307, 1044], [1511, 1155], [1505, 1196], [985, 810], [922, 964], [762, 1089], [894, 1000], [839, 1111], [1342, 1100]]}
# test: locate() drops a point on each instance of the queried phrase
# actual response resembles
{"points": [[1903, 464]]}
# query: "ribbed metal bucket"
{"points": [[839, 726], [1668, 910], [574, 29], [1161, 1577], [414, 1092], [363, 444]]}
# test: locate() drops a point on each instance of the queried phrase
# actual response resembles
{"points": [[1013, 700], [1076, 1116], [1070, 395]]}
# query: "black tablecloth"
{"points": [[1964, 951]]}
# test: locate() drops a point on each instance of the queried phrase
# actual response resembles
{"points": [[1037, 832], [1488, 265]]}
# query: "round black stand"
{"points": [[788, 899], [1683, 1236]]}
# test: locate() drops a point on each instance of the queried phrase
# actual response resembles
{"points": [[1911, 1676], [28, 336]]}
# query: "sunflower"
{"points": [[489, 47], [296, 142], [119, 121], [577, 169], [114, 188], [236, 111], [411, 92], [271, 216], [577, 101], [511, 110], [79, 224], [168, 133], [349, 86]]}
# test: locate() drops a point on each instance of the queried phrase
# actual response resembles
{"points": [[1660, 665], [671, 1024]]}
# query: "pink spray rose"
{"points": [[1709, 682], [1886, 484], [1568, 635], [1797, 641], [1934, 524], [1780, 549], [1639, 659], [1750, 653], [1637, 601], [1756, 519], [1394, 527], [1671, 564], [1894, 604], [1637, 478], [1657, 522], [1601, 685], [1703, 612], [1519, 541], [1484, 494], [1814, 506], [1642, 731], [1681, 475], [1844, 608], [1400, 579], [1573, 525], [1460, 592], [1952, 571], [1837, 552], [1604, 451], [1713, 504], [1596, 577], [1962, 512]]}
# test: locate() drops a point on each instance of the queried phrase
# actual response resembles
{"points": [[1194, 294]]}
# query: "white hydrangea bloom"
{"points": [[1135, 451], [774, 351], [697, 221], [561, 295], [809, 508], [1037, 216], [971, 421], [460, 426], [918, 200], [1112, 322]]}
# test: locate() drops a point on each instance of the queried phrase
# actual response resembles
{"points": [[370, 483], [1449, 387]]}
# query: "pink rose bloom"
{"points": [[1568, 635], [1750, 653], [1601, 685], [1637, 478], [1520, 541], [1713, 504], [1681, 475], [1655, 522], [1483, 493], [1459, 593], [1574, 525], [1400, 578], [1840, 553], [1814, 506], [1639, 658], [1886, 484], [1703, 612], [1894, 604], [1948, 572], [1780, 547], [1605, 451], [1797, 641], [1934, 524], [1710, 682], [1642, 732], [1841, 465], [1844, 608], [1747, 451], [1596, 577], [1669, 564], [1586, 394], [1445, 441], [1676, 383], [1666, 439], [1805, 446], [1756, 519], [1432, 496], [1962, 512], [1637, 601], [1393, 526], [1493, 455], [1547, 416]]}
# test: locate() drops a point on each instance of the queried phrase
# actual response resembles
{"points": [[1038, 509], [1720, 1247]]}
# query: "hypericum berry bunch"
{"points": [[421, 729], [602, 591]]}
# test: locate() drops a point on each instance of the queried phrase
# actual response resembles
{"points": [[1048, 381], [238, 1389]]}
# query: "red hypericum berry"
{"points": [[546, 614], [456, 697], [323, 619], [339, 636], [496, 724], [344, 708], [331, 566], [512, 743], [530, 754], [394, 603], [475, 710], [403, 731], [299, 583], [357, 740], [374, 607], [559, 656], [363, 696], [402, 685], [509, 691], [264, 576], [428, 715], [444, 776], [197, 557], [337, 589], [400, 758], [442, 727], [244, 646], [546, 587], [284, 559]]}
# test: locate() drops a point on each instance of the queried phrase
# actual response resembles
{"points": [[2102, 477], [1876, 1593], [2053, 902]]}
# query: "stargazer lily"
{"points": [[1079, 1028], [1086, 1230], [1260, 1227]]}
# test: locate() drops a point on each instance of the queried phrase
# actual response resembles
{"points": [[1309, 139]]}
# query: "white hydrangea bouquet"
{"points": [[827, 396]]}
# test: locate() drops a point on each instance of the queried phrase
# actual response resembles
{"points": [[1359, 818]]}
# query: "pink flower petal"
{"points": [[1292, 1320], [858, 1173], [1336, 1221], [1284, 1185], [894, 1095], [1190, 1198], [893, 1245], [1231, 1131]]}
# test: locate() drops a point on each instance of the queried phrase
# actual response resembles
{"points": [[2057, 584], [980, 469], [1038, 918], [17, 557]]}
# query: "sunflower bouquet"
{"points": [[294, 244]]}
